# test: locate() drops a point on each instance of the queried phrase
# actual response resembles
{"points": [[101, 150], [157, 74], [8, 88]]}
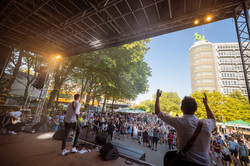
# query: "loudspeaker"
{"points": [[84, 132], [40, 80], [109, 152], [59, 135], [103, 138], [37, 126]]}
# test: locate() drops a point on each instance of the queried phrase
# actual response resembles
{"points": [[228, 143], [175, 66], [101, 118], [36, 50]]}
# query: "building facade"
{"points": [[216, 66]]}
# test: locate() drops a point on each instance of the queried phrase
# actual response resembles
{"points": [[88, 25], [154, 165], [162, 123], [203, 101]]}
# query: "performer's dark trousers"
{"points": [[111, 134], [15, 127], [75, 126]]}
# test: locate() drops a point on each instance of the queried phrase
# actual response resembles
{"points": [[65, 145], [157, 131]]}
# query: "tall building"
{"points": [[216, 66]]}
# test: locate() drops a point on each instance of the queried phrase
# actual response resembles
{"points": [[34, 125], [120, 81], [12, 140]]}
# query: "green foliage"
{"points": [[62, 69], [119, 73], [147, 105], [169, 102], [235, 106]]}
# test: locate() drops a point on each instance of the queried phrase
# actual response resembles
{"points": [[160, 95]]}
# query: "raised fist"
{"points": [[158, 93]]}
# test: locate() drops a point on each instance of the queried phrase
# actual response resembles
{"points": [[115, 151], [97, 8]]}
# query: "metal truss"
{"points": [[153, 30], [243, 34], [47, 26], [43, 95], [28, 99]]}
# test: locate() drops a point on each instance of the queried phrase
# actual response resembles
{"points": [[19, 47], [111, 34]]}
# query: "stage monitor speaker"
{"points": [[103, 138], [40, 80], [109, 152], [5, 53], [85, 132], [38, 126], [59, 135]]}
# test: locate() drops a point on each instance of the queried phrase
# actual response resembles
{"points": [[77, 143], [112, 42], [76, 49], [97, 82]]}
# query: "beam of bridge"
{"points": [[71, 27]]}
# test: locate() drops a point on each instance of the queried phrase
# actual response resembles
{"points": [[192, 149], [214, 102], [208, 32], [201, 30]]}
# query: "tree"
{"points": [[61, 72], [31, 63], [112, 74], [147, 105], [14, 66], [170, 102], [232, 107], [116, 73]]}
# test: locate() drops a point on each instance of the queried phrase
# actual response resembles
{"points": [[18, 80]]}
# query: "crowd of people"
{"points": [[229, 149], [148, 130]]}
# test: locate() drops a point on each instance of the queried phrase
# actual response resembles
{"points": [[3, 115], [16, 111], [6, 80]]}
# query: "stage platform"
{"points": [[123, 149], [39, 149]]}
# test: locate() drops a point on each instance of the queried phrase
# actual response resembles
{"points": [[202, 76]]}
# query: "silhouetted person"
{"points": [[111, 128]]}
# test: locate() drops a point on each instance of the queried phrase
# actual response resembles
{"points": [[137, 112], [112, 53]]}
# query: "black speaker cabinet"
{"points": [[59, 135], [103, 138], [109, 152], [40, 80]]}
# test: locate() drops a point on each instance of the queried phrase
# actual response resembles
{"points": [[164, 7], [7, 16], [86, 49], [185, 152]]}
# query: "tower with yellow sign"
{"points": [[216, 66], [203, 69]]}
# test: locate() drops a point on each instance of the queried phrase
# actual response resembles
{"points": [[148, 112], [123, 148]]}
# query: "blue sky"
{"points": [[169, 60]]}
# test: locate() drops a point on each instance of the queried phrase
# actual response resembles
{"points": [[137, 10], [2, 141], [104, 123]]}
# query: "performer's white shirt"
{"points": [[71, 113], [15, 113], [185, 127]]}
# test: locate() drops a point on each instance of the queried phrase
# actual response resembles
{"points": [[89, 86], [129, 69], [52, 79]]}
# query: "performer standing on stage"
{"points": [[71, 121]]}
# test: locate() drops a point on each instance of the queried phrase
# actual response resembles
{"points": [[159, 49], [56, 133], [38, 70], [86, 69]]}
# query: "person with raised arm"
{"points": [[186, 126]]}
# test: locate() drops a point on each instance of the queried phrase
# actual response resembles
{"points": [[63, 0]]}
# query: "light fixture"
{"points": [[209, 18], [196, 22], [58, 57]]}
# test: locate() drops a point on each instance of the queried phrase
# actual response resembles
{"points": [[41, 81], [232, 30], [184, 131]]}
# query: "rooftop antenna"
{"points": [[203, 31]]}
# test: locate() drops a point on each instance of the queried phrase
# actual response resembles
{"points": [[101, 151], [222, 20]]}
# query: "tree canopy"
{"points": [[169, 102], [230, 107], [117, 73], [234, 106]]}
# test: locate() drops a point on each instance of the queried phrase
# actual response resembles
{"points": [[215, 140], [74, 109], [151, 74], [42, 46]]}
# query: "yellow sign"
{"points": [[199, 37]]}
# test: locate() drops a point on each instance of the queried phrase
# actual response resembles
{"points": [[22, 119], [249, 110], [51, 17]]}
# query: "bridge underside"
{"points": [[69, 27]]}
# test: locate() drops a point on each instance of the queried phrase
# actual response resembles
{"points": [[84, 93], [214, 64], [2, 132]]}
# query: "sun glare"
{"points": [[58, 57], [45, 135]]}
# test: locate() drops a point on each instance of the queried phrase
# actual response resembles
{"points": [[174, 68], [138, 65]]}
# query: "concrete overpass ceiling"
{"points": [[71, 27]]}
